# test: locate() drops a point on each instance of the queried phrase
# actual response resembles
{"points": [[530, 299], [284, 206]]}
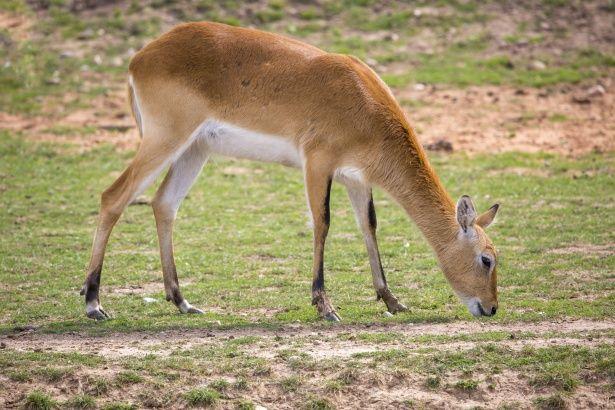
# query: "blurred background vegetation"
{"points": [[82, 47]]}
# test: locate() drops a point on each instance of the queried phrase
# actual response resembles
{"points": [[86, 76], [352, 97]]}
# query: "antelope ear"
{"points": [[466, 213], [486, 218]]}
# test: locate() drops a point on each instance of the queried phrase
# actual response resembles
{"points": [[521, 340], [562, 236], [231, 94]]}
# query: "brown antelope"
{"points": [[207, 88]]}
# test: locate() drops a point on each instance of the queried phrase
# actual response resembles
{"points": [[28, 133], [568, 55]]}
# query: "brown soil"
{"points": [[120, 344], [599, 250], [499, 119], [322, 343], [476, 119]]}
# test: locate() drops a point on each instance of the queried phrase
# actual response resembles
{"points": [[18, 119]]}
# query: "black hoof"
{"points": [[98, 314], [398, 308], [332, 317]]}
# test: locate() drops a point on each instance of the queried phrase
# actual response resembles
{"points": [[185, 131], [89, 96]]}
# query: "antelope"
{"points": [[207, 88]]}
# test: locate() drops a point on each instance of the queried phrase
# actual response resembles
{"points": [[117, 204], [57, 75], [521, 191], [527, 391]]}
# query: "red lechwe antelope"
{"points": [[207, 88]]}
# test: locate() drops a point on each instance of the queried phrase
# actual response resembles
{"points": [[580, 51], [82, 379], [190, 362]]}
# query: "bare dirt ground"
{"points": [[570, 120], [325, 344], [330, 344]]}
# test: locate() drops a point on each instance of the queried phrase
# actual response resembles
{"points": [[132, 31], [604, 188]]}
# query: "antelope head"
{"points": [[470, 262]]}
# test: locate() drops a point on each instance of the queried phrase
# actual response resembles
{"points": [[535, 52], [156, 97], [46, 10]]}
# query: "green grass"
{"points": [[245, 405], [558, 367], [467, 385], [433, 382], [128, 377], [38, 400], [231, 247], [317, 403], [119, 406], [290, 384], [82, 401], [243, 246], [202, 397], [461, 68], [232, 250]]}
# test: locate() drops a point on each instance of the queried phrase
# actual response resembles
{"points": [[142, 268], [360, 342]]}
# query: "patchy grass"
{"points": [[553, 402], [316, 403], [467, 385], [82, 401], [464, 69], [38, 400], [128, 377], [290, 384], [202, 397], [86, 52]]}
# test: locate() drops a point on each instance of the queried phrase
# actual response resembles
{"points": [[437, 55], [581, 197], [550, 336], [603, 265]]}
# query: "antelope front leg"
{"points": [[318, 187], [365, 213]]}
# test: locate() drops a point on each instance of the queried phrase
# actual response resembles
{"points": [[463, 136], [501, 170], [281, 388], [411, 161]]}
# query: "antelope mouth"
{"points": [[476, 308], [481, 310]]}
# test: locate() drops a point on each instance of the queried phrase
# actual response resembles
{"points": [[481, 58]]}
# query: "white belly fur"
{"points": [[232, 141]]}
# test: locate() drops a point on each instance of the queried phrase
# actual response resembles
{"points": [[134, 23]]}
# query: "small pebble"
{"points": [[387, 314]]}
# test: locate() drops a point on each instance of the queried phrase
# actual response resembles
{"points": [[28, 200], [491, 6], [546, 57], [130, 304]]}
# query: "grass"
{"points": [[82, 401], [433, 382], [290, 384], [558, 367], [38, 400], [464, 69], [245, 405], [38, 73], [467, 385], [202, 397], [50, 204], [553, 402], [128, 377], [58, 194], [316, 403]]}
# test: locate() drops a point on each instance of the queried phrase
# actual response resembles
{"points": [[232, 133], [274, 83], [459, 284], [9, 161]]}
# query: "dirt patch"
{"points": [[141, 289], [502, 119], [327, 337], [476, 119], [107, 121], [595, 250], [17, 24], [322, 352]]}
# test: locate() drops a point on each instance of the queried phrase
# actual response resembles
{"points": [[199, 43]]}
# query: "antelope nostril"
{"points": [[493, 310]]}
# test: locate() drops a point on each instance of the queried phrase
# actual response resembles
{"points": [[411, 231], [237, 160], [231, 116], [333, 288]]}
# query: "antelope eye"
{"points": [[486, 261]]}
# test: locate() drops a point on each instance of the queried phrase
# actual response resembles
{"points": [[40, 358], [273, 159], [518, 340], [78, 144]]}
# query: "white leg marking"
{"points": [[182, 175], [359, 198], [184, 307]]}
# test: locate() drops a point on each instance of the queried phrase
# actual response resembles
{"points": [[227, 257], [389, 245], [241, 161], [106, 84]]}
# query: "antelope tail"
{"points": [[134, 106]]}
